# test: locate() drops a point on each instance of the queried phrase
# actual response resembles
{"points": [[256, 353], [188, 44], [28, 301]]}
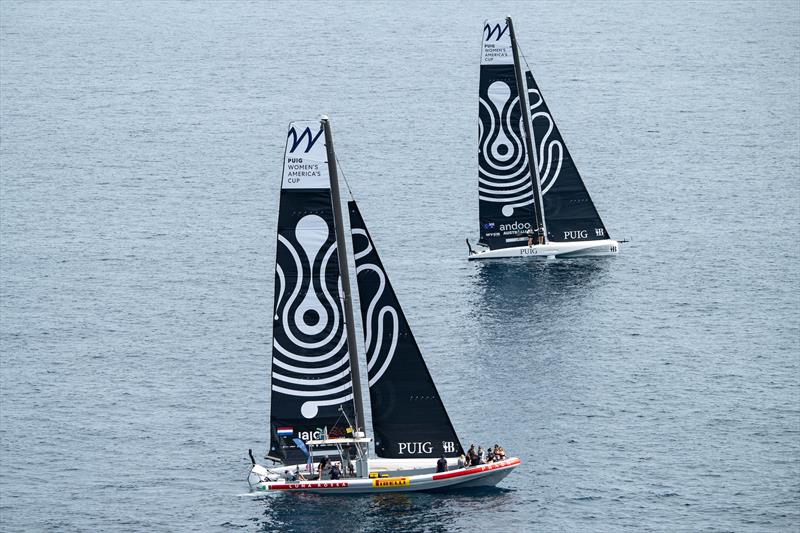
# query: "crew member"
{"points": [[472, 456], [323, 463], [441, 464], [336, 472]]}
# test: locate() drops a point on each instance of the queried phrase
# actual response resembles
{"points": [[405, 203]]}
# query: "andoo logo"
{"points": [[489, 31], [307, 134], [516, 226]]}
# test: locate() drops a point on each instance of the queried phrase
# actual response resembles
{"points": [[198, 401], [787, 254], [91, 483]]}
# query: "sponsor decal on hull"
{"points": [[293, 486], [391, 482]]}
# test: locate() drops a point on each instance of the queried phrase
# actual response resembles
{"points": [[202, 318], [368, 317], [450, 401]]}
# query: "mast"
{"points": [[345, 274], [533, 161]]}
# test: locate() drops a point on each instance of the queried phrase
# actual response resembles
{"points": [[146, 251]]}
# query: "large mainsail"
{"points": [[311, 376], [408, 417], [506, 196], [568, 208]]}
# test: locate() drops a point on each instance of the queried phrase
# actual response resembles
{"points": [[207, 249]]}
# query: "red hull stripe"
{"points": [[330, 485], [476, 469]]}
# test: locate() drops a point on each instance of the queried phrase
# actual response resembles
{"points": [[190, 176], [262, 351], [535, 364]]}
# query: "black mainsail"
{"points": [[311, 369], [506, 196], [409, 419], [568, 208]]}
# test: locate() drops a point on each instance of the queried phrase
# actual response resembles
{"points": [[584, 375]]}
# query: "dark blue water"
{"points": [[140, 158]]}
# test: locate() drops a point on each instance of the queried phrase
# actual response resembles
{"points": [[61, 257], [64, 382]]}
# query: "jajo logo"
{"points": [[491, 30], [307, 134]]}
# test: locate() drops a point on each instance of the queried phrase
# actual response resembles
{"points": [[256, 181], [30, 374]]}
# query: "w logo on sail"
{"points": [[489, 31], [307, 135]]}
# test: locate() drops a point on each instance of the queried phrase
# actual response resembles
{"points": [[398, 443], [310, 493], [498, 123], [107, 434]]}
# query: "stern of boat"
{"points": [[259, 474]]}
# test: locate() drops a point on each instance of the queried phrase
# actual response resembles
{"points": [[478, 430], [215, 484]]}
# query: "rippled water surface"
{"points": [[140, 153]]}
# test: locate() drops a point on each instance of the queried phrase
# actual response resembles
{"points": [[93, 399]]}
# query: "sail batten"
{"points": [[311, 378], [409, 419]]}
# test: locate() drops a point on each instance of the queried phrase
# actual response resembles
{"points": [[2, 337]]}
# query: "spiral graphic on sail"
{"points": [[381, 320], [504, 175], [549, 147], [310, 358]]}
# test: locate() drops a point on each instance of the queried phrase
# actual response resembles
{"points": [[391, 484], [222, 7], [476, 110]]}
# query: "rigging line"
{"points": [[525, 59], [344, 177], [340, 417]]}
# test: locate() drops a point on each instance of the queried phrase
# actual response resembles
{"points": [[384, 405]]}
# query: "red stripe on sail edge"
{"points": [[476, 469]]}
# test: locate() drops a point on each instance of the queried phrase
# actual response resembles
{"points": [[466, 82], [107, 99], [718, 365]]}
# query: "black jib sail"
{"points": [[408, 417], [505, 191], [569, 212], [311, 376]]}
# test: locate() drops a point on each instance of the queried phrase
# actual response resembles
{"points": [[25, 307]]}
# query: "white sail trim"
{"points": [[548, 174], [525, 187], [373, 352], [309, 409], [296, 291], [311, 382], [506, 200], [498, 106], [293, 392], [303, 370], [365, 251], [390, 354], [311, 358]]}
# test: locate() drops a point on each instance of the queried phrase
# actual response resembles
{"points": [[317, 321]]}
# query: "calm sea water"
{"points": [[140, 154]]}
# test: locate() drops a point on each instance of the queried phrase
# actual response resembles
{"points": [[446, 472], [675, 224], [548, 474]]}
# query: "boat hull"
{"points": [[382, 466], [486, 475], [552, 250]]}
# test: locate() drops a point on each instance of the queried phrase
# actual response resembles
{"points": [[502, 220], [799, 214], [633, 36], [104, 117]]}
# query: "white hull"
{"points": [[552, 250], [486, 475]]}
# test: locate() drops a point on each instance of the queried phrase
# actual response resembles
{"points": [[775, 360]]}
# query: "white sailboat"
{"points": [[316, 408], [532, 200]]}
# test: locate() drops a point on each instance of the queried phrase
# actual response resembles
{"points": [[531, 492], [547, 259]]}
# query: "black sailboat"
{"points": [[532, 200], [316, 409]]}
